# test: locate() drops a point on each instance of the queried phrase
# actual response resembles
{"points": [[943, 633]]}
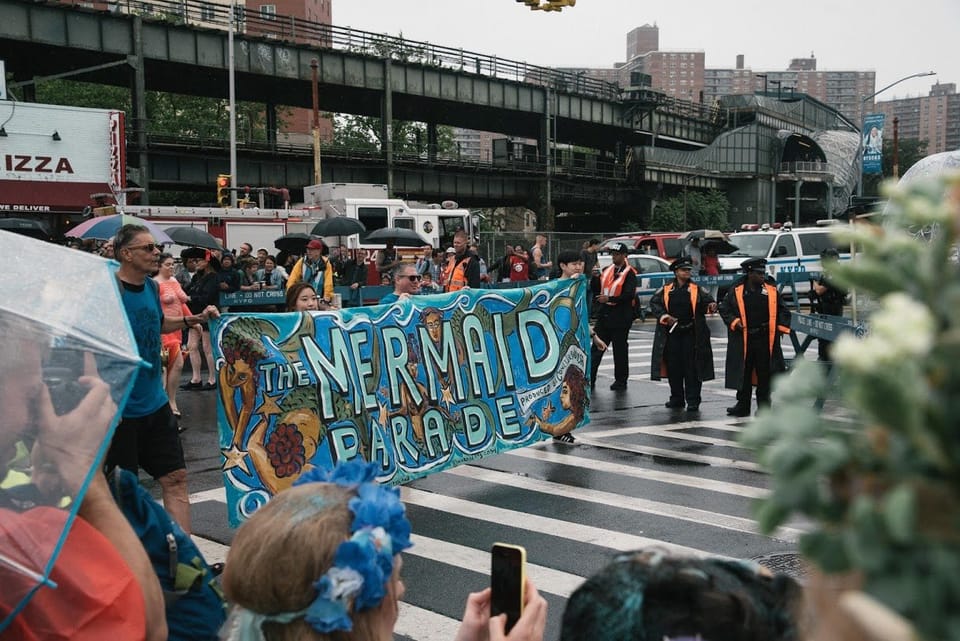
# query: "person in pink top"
{"points": [[173, 301]]}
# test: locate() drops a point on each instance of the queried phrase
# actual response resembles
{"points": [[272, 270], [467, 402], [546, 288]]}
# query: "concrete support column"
{"points": [[139, 99], [545, 217], [386, 122], [796, 203], [270, 110], [431, 142], [773, 199]]}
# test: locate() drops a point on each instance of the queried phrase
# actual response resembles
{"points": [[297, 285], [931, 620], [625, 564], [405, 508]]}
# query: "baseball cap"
{"points": [[618, 248]]}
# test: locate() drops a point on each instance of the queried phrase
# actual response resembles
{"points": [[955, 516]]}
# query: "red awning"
{"points": [[48, 196]]}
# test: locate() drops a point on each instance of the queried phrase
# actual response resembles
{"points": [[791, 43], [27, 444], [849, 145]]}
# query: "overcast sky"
{"points": [[895, 39]]}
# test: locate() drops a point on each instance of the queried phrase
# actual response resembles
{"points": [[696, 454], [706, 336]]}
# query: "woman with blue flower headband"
{"points": [[322, 561]]}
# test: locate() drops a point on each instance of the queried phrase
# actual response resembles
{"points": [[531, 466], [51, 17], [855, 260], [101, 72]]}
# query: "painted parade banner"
{"points": [[418, 386]]}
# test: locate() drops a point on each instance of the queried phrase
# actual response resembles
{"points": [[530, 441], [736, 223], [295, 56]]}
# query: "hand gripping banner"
{"points": [[416, 387]]}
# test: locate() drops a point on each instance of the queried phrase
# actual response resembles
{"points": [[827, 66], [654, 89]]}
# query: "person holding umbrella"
{"points": [[105, 581], [387, 259], [315, 270]]}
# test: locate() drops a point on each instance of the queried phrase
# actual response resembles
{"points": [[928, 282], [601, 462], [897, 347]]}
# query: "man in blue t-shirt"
{"points": [[406, 283], [147, 435]]}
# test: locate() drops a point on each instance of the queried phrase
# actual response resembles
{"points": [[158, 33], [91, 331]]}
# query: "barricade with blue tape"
{"points": [[648, 284], [254, 298]]}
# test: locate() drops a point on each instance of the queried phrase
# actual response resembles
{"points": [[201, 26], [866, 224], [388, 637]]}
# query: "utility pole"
{"points": [[314, 65], [860, 134], [233, 106]]}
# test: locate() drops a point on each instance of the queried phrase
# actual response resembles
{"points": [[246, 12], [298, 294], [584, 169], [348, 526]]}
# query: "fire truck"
{"points": [[368, 203]]}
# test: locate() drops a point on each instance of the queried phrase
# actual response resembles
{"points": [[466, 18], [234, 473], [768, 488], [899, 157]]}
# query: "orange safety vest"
{"points": [[771, 313], [694, 292], [458, 277], [612, 284]]}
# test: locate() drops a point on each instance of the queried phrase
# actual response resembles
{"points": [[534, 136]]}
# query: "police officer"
{"points": [[756, 317], [681, 345], [827, 299], [616, 310]]}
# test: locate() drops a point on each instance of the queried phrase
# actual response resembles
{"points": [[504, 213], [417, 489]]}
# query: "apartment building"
{"points": [[934, 117]]}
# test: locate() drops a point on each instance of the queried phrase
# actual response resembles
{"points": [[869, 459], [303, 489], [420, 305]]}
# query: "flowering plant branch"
{"points": [[879, 472]]}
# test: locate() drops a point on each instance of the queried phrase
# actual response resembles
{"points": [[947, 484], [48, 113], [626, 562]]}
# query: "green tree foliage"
{"points": [[167, 113], [693, 210], [409, 138], [878, 475], [910, 151]]}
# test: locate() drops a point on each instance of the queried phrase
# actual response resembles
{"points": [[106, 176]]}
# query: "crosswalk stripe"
{"points": [[587, 438], [535, 523], [635, 504], [723, 487], [667, 432], [548, 580], [424, 625], [212, 551], [214, 494]]}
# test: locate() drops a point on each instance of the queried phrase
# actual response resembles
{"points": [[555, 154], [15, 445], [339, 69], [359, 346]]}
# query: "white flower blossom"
{"points": [[344, 582], [901, 329]]}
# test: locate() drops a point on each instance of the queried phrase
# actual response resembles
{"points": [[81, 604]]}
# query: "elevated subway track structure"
{"points": [[181, 47]]}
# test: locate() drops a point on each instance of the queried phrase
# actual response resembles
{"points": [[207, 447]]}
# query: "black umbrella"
{"points": [[399, 236], [719, 246], [295, 242], [338, 226], [192, 237], [704, 234], [25, 227]]}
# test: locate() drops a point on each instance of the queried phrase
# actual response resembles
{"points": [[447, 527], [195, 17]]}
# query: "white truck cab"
{"points": [[369, 204]]}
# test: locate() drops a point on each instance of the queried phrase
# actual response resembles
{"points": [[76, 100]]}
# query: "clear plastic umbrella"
{"points": [[69, 361]]}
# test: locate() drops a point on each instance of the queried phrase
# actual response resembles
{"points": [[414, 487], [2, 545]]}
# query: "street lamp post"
{"points": [[860, 133], [233, 106]]}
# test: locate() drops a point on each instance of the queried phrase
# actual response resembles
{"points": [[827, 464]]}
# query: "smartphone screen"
{"points": [[507, 577]]}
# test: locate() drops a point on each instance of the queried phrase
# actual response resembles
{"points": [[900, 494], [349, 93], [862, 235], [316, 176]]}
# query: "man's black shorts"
{"points": [[151, 442]]}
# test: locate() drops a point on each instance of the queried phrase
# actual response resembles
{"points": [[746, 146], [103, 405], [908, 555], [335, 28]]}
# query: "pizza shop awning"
{"points": [[38, 196]]}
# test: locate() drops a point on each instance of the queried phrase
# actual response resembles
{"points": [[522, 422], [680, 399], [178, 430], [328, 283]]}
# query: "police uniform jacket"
{"points": [[620, 310], [667, 300], [776, 321]]}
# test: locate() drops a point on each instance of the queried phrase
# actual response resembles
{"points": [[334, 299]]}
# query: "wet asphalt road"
{"points": [[639, 474]]}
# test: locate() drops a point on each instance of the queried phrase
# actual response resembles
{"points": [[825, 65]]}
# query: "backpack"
{"points": [[195, 606]]}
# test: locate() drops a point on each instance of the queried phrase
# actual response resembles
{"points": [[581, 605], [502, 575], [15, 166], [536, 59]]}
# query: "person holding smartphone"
{"points": [[339, 535]]}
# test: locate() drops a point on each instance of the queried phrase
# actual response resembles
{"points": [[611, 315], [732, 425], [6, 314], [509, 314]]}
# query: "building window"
{"points": [[268, 11], [207, 12]]}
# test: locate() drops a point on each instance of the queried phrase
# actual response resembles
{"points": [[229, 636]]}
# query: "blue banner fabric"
{"points": [[873, 144], [418, 386]]}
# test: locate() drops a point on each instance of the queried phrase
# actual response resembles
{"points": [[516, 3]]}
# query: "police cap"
{"points": [[681, 263], [754, 265]]}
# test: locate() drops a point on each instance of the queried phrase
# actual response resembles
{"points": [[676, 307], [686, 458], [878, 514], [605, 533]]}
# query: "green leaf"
{"points": [[899, 513], [769, 514], [827, 550]]}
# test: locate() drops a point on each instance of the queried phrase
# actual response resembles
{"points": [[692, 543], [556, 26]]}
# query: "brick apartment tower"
{"points": [[297, 123], [934, 117]]}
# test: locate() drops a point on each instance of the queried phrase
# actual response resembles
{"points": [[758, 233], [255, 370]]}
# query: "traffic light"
{"points": [[223, 190]]}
